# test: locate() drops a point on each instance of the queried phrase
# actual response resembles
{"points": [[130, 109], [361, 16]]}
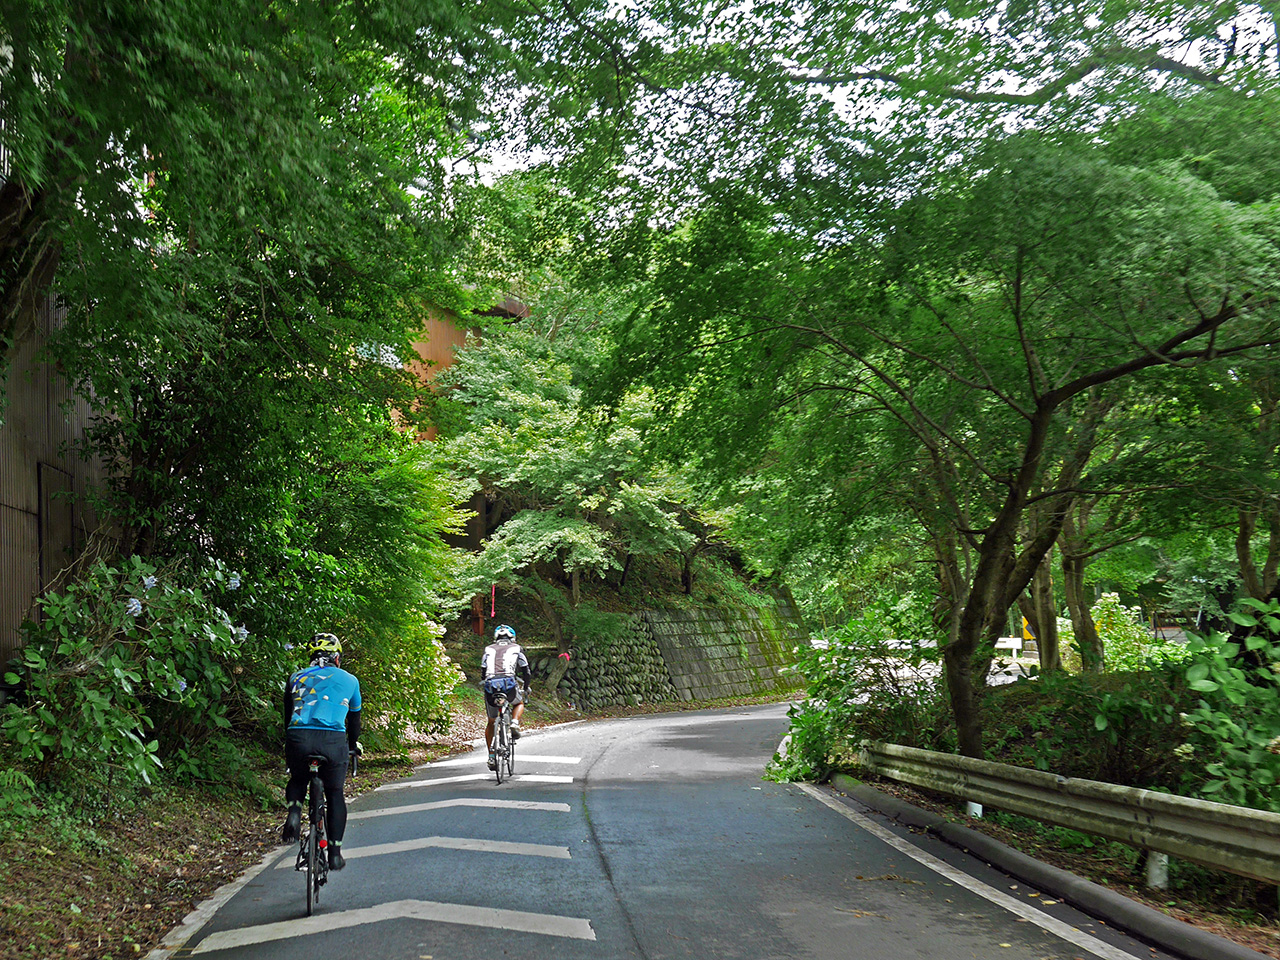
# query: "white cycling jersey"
{"points": [[502, 660]]}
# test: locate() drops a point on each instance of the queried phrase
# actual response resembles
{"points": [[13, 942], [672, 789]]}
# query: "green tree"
{"points": [[572, 495], [989, 335]]}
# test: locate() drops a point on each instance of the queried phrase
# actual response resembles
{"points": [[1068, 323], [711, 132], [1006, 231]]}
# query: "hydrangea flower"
{"points": [[234, 582], [288, 646], [241, 632], [134, 607], [148, 583], [182, 685]]}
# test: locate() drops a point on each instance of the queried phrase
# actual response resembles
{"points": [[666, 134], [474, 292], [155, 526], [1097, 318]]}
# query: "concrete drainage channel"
{"points": [[1116, 909]]}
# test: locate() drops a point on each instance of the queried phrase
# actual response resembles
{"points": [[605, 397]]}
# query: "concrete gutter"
{"points": [[1115, 908]]}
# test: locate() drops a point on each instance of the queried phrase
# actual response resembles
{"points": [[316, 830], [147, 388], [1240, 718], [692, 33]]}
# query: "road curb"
{"points": [[1115, 908]]}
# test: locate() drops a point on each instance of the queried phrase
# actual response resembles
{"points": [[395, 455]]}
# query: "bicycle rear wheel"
{"points": [[317, 866], [501, 743], [313, 852]]}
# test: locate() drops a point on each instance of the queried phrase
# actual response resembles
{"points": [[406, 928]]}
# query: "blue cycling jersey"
{"points": [[322, 697]]}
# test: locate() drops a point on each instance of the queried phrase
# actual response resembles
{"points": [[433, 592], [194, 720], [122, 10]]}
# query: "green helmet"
{"points": [[324, 645]]}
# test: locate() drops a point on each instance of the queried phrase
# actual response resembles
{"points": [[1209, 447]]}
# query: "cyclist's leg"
{"points": [[296, 750], [517, 711], [491, 711], [333, 775]]}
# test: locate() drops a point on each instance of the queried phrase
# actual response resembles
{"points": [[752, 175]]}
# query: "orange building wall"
{"points": [[441, 337]]}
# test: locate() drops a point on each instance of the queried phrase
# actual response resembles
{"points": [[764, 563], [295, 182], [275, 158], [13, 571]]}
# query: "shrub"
{"points": [[865, 685], [1113, 727], [1128, 643], [1233, 731], [411, 686], [126, 666]]}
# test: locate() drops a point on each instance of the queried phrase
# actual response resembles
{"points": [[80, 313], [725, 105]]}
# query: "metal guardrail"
{"points": [[1218, 835]]}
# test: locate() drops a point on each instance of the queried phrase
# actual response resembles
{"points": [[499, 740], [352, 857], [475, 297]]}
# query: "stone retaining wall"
{"points": [[688, 654]]}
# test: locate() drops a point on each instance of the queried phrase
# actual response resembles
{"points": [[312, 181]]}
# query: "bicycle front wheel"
{"points": [[511, 753]]}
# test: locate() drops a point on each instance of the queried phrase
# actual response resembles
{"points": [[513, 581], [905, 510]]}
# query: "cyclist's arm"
{"points": [[353, 728], [524, 673], [286, 704]]}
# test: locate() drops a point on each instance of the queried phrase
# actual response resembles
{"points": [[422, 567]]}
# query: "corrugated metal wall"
{"points": [[43, 517]]}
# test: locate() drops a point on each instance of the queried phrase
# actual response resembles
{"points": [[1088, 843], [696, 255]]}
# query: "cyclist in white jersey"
{"points": [[502, 662]]}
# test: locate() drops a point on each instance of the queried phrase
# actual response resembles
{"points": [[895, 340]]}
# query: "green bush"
{"points": [[864, 685], [1233, 732], [410, 685], [1126, 640], [126, 668], [1113, 727]]}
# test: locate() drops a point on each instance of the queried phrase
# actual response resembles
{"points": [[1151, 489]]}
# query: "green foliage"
{"points": [[596, 631], [407, 685], [1126, 639], [575, 495], [1187, 571], [17, 790], [126, 666], [865, 684], [1233, 731], [1113, 727]]}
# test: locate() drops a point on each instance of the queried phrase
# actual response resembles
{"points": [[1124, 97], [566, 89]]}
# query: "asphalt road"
{"points": [[651, 837]]}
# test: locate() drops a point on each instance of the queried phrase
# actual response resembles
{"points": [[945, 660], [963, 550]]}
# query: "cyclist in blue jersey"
{"points": [[502, 662], [322, 717]]}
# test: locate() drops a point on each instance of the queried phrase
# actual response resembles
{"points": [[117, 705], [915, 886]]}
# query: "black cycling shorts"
{"points": [[507, 686]]}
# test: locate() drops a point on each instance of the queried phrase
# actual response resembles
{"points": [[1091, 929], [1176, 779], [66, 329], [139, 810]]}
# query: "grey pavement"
{"points": [[648, 837]]}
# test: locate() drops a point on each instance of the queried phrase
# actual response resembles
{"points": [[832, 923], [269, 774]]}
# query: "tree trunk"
{"points": [[1092, 655], [556, 673], [1002, 574], [1047, 616], [965, 700]]}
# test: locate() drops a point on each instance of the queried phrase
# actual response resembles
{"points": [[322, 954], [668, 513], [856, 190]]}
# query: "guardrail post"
{"points": [[1157, 870], [973, 809]]}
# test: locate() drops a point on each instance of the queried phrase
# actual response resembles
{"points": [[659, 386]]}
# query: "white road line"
{"points": [[461, 802], [1015, 906], [471, 778], [449, 843], [479, 758], [516, 920]]}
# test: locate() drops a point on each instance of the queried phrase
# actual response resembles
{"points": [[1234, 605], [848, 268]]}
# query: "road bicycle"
{"points": [[313, 842], [504, 746]]}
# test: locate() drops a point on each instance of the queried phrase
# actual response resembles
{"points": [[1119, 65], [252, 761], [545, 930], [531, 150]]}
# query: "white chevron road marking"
{"points": [[519, 921], [461, 802], [473, 759], [448, 843], [472, 778]]}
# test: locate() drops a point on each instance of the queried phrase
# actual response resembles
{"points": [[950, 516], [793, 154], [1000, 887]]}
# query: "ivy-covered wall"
{"points": [[688, 654]]}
